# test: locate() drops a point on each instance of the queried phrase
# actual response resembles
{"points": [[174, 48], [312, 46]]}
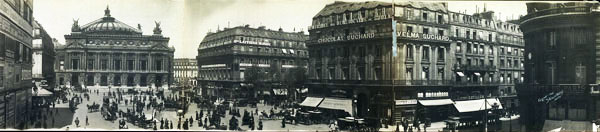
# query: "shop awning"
{"points": [[284, 51], [291, 51], [406, 102], [337, 104], [311, 101], [266, 93], [460, 74], [476, 105], [436, 102], [477, 74], [280, 91], [302, 90], [41, 92]]}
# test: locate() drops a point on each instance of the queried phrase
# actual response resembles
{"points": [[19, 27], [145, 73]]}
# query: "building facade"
{"points": [[225, 56], [185, 71], [43, 56], [487, 52], [109, 53], [561, 65], [15, 62], [438, 61]]}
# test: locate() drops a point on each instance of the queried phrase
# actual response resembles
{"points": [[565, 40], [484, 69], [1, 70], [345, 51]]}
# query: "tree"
{"points": [[256, 77], [295, 77]]}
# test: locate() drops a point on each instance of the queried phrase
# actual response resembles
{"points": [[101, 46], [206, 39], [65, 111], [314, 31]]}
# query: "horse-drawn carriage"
{"points": [[93, 108], [109, 112]]}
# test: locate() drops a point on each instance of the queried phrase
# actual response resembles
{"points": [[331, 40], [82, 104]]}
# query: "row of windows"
{"points": [[116, 65], [422, 15], [252, 41], [347, 51], [425, 53], [360, 15], [117, 42], [468, 19], [503, 78], [260, 49], [21, 53], [103, 54], [266, 61], [185, 67], [423, 29]]}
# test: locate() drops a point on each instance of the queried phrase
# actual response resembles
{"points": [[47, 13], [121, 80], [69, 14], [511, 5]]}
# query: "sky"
{"points": [[186, 22]]}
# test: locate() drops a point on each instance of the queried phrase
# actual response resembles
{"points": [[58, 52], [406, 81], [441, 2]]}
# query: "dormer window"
{"points": [[130, 42], [118, 42], [104, 42], [90, 42]]}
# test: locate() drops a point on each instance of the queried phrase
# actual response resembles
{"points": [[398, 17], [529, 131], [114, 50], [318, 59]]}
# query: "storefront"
{"points": [[436, 109], [470, 112], [405, 109]]}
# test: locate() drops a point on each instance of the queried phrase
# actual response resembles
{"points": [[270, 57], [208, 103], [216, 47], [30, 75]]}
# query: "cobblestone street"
{"points": [[96, 121]]}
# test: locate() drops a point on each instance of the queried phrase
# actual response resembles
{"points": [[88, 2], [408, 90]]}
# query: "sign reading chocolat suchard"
{"points": [[346, 38]]}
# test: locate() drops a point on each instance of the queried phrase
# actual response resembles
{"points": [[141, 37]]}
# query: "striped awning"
{"points": [[311, 101]]}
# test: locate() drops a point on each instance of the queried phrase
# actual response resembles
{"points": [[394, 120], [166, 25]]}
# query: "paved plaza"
{"points": [[97, 122]]}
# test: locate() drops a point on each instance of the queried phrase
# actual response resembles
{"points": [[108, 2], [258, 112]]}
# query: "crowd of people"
{"points": [[136, 102]]}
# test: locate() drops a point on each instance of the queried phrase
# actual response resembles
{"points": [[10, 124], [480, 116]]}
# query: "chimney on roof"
{"points": [[261, 27], [247, 25], [280, 29]]}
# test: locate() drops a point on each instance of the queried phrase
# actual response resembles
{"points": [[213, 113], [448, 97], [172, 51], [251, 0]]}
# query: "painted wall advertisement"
{"points": [[414, 35], [346, 38]]}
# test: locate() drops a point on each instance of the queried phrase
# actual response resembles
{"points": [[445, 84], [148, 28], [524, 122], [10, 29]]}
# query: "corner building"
{"points": [[562, 50], [43, 56], [185, 71], [351, 59], [109, 53], [224, 56], [16, 34]]}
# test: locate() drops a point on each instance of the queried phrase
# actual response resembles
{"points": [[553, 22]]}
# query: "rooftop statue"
{"points": [[157, 29], [75, 27]]}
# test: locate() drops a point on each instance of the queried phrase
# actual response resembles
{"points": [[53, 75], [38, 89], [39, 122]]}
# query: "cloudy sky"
{"points": [[186, 22]]}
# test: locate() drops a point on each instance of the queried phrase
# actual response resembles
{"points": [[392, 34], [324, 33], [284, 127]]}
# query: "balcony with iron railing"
{"points": [[568, 89], [344, 22], [404, 82], [553, 11], [482, 68]]}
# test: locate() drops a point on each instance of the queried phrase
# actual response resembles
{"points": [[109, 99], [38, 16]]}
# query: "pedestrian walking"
{"points": [[405, 124], [179, 124], [416, 124], [191, 121], [171, 125], [283, 123], [77, 121], [260, 125], [87, 121]]}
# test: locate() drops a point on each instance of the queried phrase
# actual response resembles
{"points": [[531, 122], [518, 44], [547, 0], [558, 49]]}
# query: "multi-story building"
{"points": [[43, 56], [224, 56], [438, 60], [185, 71], [562, 64], [109, 53], [15, 62], [487, 52]]}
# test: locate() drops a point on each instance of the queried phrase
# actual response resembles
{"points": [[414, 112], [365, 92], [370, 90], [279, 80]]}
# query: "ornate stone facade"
{"points": [[441, 55], [109, 53], [224, 56]]}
